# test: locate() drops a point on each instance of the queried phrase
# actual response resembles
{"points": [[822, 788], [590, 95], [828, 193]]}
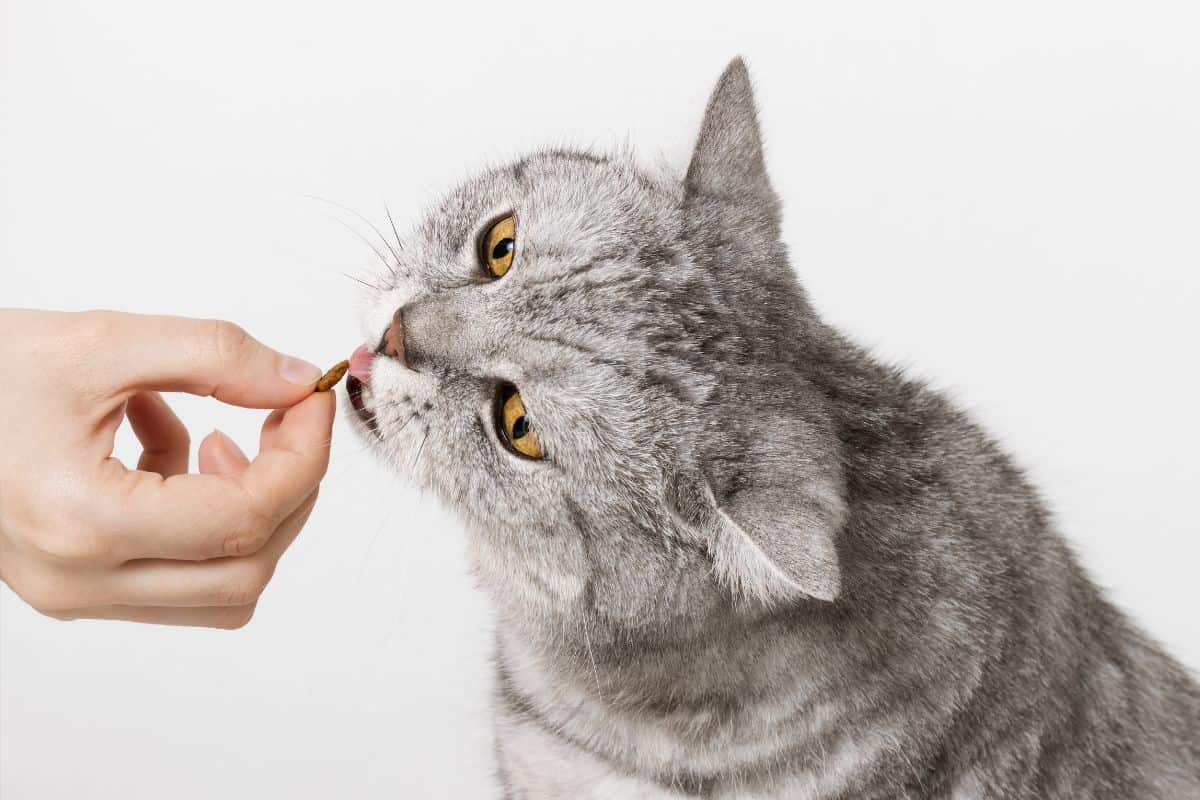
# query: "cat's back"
{"points": [[1107, 718], [1072, 699], [1131, 723]]}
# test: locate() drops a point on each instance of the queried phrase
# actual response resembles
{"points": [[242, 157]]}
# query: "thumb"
{"points": [[203, 357]]}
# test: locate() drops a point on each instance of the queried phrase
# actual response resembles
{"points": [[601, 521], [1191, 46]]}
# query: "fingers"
{"points": [[222, 582], [85, 537], [224, 514], [270, 429], [220, 455], [130, 352], [164, 439], [229, 617]]}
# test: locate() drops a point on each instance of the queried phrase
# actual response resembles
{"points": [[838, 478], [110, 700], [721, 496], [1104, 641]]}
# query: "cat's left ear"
{"points": [[772, 516], [727, 161], [778, 544]]}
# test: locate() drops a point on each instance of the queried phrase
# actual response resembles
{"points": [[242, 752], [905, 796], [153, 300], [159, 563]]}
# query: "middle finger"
{"points": [[215, 582]]}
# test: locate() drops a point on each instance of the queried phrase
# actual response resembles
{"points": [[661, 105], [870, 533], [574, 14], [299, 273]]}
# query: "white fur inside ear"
{"points": [[752, 575]]}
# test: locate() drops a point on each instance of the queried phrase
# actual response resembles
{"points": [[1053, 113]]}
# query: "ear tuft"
{"points": [[728, 157]]}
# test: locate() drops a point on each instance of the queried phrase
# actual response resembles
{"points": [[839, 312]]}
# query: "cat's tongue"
{"points": [[360, 363]]}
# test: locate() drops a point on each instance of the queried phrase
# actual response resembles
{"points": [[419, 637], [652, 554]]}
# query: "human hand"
{"points": [[82, 536]]}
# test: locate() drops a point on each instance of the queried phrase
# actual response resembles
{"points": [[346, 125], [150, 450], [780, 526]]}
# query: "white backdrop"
{"points": [[1004, 200]]}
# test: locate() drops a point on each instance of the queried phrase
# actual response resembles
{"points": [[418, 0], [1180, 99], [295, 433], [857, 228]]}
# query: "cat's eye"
{"points": [[498, 246], [515, 430]]}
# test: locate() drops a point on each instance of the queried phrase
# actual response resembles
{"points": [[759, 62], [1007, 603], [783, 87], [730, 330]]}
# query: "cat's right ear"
{"points": [[727, 161]]}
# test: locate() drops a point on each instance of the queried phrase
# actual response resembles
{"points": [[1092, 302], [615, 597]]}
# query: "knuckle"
{"points": [[229, 341], [89, 332], [254, 528], [51, 522], [93, 327], [306, 508], [73, 341], [43, 594], [250, 536], [238, 593], [245, 586], [182, 438], [235, 617], [76, 544]]}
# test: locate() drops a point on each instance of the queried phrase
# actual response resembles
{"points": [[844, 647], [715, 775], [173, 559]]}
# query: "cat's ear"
{"points": [[778, 544], [771, 515], [728, 158]]}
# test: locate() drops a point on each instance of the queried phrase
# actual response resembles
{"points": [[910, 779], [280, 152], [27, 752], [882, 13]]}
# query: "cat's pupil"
{"points": [[502, 249], [520, 428]]}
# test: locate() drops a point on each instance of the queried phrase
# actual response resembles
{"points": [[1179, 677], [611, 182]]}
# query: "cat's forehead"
{"points": [[598, 256], [562, 196]]}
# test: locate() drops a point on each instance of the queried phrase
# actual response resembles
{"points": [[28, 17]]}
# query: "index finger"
{"points": [[210, 516], [210, 357]]}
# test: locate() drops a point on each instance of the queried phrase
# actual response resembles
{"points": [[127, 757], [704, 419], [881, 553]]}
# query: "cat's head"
{"points": [[599, 371]]}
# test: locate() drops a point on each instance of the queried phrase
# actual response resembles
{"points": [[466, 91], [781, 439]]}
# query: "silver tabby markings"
{"points": [[744, 559]]}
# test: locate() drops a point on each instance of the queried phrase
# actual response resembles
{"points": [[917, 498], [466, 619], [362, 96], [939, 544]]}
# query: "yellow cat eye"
{"points": [[515, 429], [498, 247]]}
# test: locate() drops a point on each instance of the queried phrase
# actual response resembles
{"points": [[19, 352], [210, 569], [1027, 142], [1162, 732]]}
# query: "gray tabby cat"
{"points": [[731, 555]]}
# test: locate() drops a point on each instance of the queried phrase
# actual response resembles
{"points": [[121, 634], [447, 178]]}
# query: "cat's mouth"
{"points": [[363, 402]]}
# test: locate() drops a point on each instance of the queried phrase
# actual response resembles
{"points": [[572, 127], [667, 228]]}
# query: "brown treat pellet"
{"points": [[330, 379]]}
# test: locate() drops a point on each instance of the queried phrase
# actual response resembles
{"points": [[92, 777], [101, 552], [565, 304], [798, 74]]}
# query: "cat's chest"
{"points": [[558, 739], [537, 763]]}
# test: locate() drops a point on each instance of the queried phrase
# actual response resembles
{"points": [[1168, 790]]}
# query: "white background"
{"points": [[1005, 200]]}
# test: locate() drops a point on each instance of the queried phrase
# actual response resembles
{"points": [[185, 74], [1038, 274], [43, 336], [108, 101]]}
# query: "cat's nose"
{"points": [[392, 343], [448, 331]]}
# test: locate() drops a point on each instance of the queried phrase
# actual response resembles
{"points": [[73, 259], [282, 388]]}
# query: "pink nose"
{"points": [[393, 338], [360, 363], [391, 346]]}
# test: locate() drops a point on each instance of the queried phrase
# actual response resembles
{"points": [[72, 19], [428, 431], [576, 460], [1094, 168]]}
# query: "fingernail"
{"points": [[296, 370]]}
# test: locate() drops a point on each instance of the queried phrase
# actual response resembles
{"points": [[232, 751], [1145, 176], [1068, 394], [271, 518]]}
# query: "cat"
{"points": [[730, 554]]}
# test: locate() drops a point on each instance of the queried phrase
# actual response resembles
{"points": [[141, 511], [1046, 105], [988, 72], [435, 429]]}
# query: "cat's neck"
{"points": [[669, 709]]}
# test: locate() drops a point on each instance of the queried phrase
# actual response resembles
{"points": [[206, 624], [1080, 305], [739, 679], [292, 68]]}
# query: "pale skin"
{"points": [[84, 536]]}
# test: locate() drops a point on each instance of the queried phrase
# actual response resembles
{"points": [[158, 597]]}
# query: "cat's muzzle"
{"points": [[391, 345]]}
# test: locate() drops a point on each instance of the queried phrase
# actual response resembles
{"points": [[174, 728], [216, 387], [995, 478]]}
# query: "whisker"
{"points": [[373, 227], [348, 457], [368, 243], [364, 283], [420, 448], [395, 232], [347, 461], [371, 545]]}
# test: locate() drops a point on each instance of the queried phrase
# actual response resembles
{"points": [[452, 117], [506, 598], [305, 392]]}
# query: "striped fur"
{"points": [[757, 563]]}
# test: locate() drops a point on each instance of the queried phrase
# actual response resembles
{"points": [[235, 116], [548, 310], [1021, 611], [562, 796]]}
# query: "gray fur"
{"points": [[756, 563]]}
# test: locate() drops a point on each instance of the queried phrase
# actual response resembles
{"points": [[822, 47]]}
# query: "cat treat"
{"points": [[330, 379]]}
